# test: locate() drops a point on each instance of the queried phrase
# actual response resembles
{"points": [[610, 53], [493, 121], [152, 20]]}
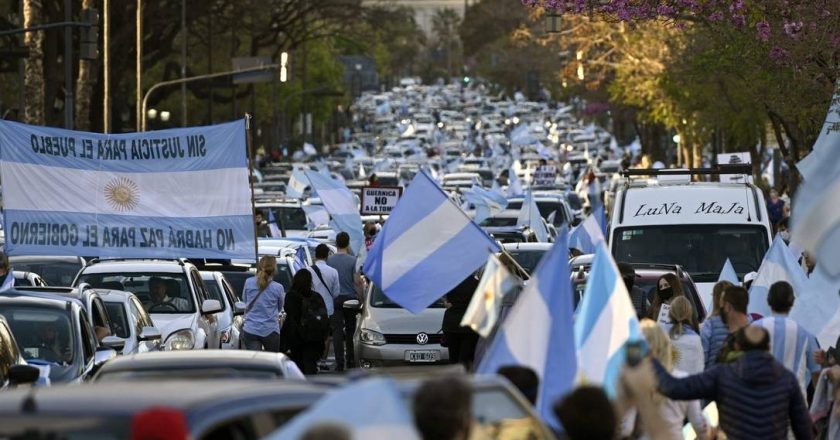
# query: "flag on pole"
{"points": [[537, 332], [316, 215], [483, 311], [486, 203], [300, 258], [529, 215], [297, 184], [370, 408], [586, 236], [514, 185], [341, 205], [728, 273], [427, 247], [779, 264], [815, 218], [606, 320], [272, 225]]}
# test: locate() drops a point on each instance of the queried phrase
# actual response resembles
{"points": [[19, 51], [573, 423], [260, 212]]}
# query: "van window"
{"points": [[701, 250]]}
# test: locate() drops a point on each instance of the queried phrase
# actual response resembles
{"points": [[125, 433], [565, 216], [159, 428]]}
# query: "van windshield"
{"points": [[701, 250]]}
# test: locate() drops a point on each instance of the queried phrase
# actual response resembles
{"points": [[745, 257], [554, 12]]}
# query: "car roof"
{"points": [[37, 300], [112, 398], [109, 295], [130, 266], [528, 246], [46, 259], [202, 359]]}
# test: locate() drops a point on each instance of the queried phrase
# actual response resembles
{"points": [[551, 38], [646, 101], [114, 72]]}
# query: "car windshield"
{"points": [[499, 221], [701, 250], [527, 259], [43, 334], [54, 273], [289, 217], [119, 319], [380, 300], [159, 292]]}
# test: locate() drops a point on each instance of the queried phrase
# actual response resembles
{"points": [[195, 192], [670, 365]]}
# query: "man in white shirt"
{"points": [[325, 282]]}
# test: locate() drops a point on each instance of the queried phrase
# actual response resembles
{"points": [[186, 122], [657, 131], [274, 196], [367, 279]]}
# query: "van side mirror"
{"points": [[23, 374]]}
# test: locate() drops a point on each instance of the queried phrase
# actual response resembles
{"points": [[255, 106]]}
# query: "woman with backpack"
{"points": [[307, 324], [264, 300]]}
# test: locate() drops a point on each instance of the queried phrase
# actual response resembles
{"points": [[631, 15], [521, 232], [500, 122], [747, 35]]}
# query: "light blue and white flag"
{"points": [[300, 258], [606, 320], [138, 195], [779, 264], [297, 184], [538, 331], [362, 173], [371, 409], [272, 225], [529, 216], [586, 236], [427, 247], [316, 215], [817, 307], [815, 218], [486, 203], [341, 205], [483, 310], [8, 282], [728, 273], [514, 185]]}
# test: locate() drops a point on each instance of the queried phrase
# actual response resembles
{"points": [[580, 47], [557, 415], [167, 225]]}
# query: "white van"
{"points": [[670, 220]]}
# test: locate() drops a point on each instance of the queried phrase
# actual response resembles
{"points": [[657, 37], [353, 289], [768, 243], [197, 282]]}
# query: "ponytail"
{"points": [[265, 271]]}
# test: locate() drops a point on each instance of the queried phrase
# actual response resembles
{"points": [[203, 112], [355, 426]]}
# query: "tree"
{"points": [[84, 86], [33, 112], [445, 24]]}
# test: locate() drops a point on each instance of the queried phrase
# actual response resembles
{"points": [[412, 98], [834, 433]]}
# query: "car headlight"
{"points": [[226, 335], [180, 340], [371, 337]]}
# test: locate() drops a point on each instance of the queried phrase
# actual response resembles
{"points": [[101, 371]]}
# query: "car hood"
{"points": [[401, 321], [170, 322]]}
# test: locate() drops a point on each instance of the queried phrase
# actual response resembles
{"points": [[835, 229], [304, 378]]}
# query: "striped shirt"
{"points": [[793, 347]]}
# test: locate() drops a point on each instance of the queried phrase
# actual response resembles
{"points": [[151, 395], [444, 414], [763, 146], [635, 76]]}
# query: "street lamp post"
{"points": [[139, 37]]}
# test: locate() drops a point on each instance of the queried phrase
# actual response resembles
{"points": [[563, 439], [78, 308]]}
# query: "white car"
{"points": [[173, 293], [231, 317], [130, 322]]}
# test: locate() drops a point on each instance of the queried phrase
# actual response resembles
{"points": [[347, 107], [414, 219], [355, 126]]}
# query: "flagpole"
{"points": [[251, 184]]}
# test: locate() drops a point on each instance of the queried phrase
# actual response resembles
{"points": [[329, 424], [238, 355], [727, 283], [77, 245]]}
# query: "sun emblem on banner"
{"points": [[122, 194]]}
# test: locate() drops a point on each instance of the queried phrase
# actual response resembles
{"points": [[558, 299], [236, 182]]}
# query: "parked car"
{"points": [[209, 364], [13, 368], [527, 255], [231, 317], [130, 322], [54, 333], [186, 317], [646, 278], [55, 270], [243, 410], [388, 335], [93, 305]]}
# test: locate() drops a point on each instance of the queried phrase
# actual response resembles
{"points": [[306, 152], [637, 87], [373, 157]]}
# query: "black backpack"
{"points": [[314, 321]]}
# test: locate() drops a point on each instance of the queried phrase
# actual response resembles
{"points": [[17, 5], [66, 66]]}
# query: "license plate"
{"points": [[422, 356]]}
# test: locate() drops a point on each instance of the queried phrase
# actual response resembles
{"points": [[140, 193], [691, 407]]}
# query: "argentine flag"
{"points": [[529, 215], [487, 203], [586, 236], [779, 264], [605, 321], [537, 332], [297, 184], [161, 194], [341, 205], [427, 247], [726, 274]]}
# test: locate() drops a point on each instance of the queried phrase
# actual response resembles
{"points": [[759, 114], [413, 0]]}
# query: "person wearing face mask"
{"points": [[733, 313], [668, 287], [783, 229]]}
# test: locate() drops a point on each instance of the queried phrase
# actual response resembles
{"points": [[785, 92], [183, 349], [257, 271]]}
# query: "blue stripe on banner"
{"points": [[84, 234], [181, 149], [594, 308], [452, 254]]}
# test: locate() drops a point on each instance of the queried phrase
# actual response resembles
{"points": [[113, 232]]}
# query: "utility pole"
{"points": [[139, 43], [106, 66], [183, 62], [68, 67]]}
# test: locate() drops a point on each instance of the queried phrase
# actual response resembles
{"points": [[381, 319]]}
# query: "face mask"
{"points": [[785, 235], [666, 294]]}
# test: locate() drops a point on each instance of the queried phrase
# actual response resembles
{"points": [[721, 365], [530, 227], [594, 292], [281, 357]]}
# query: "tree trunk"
{"points": [[33, 111], [84, 87]]}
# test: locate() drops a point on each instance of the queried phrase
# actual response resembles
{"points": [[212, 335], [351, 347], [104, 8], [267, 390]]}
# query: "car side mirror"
{"points": [[23, 374], [113, 342], [352, 304], [238, 308], [210, 306], [149, 334], [102, 355]]}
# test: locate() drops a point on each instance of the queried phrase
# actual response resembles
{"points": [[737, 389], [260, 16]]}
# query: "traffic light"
{"points": [[89, 37]]}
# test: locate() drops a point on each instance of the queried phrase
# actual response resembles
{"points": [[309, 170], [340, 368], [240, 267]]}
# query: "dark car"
{"points": [[211, 409], [192, 364], [646, 277], [56, 271], [13, 368]]}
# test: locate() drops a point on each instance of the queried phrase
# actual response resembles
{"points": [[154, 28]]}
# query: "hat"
{"points": [[750, 277], [626, 270]]}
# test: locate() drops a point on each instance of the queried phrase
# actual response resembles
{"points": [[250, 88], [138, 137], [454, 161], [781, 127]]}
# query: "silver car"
{"points": [[130, 322], [231, 317], [388, 335]]}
